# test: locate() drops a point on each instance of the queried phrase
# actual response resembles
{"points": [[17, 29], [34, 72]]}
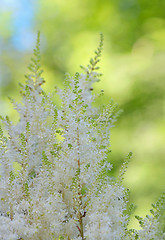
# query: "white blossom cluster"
{"points": [[61, 189]]}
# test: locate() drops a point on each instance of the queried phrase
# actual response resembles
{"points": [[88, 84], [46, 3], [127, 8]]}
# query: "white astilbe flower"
{"points": [[105, 218], [150, 229], [152, 226], [62, 189], [6, 229]]}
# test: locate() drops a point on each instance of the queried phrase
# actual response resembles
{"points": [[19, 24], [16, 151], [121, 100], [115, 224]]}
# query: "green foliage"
{"points": [[124, 168]]}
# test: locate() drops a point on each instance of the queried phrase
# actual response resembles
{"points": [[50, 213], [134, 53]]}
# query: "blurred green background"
{"points": [[133, 64]]}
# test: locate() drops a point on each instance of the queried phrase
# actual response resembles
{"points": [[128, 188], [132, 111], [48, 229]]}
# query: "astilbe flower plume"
{"points": [[61, 189]]}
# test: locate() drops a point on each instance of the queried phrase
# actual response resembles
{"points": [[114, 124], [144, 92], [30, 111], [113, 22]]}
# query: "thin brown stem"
{"points": [[80, 216]]}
